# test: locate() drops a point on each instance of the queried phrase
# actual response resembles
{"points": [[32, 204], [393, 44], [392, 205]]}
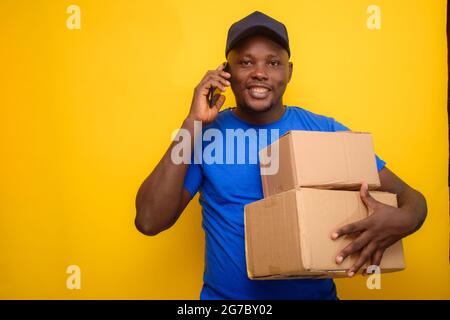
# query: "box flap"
{"points": [[347, 131], [334, 159], [325, 160], [285, 178]]}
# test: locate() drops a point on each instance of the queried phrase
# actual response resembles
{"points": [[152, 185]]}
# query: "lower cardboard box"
{"points": [[287, 235]]}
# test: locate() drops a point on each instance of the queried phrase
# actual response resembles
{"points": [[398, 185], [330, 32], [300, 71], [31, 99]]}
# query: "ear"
{"points": [[291, 67]]}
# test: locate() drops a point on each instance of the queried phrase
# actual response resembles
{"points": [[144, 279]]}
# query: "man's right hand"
{"points": [[200, 109]]}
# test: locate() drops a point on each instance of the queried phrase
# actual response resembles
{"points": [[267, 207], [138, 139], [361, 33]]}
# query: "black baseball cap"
{"points": [[257, 23]]}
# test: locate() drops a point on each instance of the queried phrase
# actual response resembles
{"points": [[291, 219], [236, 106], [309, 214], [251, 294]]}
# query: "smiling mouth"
{"points": [[258, 92]]}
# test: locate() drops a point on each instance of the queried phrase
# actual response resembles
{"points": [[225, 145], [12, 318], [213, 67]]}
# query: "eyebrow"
{"points": [[271, 55]]}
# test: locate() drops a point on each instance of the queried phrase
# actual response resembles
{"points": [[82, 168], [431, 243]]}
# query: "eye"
{"points": [[245, 62], [275, 62]]}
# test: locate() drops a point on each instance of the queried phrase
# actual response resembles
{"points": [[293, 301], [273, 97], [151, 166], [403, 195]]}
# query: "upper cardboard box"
{"points": [[288, 235], [326, 160]]}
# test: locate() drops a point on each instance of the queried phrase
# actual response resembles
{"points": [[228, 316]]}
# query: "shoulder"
{"points": [[314, 121]]}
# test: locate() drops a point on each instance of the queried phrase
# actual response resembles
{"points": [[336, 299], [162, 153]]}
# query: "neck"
{"points": [[260, 118]]}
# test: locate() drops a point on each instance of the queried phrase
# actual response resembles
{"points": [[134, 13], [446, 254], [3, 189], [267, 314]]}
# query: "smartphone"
{"points": [[215, 90]]}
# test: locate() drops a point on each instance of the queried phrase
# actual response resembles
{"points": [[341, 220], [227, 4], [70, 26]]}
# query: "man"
{"points": [[258, 54]]}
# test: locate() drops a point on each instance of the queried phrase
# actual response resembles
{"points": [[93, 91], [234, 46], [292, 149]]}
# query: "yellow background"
{"points": [[87, 114]]}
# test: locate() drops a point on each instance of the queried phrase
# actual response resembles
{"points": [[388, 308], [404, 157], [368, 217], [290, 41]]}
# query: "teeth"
{"points": [[259, 89], [259, 92]]}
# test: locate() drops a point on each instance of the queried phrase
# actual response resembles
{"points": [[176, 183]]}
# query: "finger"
{"points": [[215, 83], [357, 226], [376, 258], [365, 255], [368, 200], [221, 66], [218, 75], [225, 74], [353, 247], [219, 102], [222, 80], [218, 78], [216, 72], [209, 84], [222, 72]]}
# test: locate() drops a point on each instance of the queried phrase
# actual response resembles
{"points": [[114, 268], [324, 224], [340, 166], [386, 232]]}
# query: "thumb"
{"points": [[368, 200]]}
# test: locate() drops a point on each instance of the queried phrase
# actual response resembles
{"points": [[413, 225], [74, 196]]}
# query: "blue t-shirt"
{"points": [[224, 191]]}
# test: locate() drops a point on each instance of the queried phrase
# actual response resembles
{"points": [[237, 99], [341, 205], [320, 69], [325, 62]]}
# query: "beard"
{"points": [[249, 109]]}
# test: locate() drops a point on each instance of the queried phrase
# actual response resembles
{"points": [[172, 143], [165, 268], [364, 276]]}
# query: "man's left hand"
{"points": [[384, 226]]}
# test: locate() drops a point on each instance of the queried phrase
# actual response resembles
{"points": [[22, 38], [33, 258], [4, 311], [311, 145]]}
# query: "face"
{"points": [[260, 71]]}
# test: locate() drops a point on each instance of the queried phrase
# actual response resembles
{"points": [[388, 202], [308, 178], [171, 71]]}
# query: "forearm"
{"points": [[414, 204]]}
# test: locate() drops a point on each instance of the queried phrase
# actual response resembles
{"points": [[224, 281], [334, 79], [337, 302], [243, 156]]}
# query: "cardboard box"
{"points": [[325, 160], [288, 235]]}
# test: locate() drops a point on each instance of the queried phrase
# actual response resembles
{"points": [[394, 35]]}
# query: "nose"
{"points": [[259, 72]]}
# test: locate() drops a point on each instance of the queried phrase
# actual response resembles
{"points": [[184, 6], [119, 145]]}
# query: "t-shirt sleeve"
{"points": [[193, 179], [337, 126]]}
